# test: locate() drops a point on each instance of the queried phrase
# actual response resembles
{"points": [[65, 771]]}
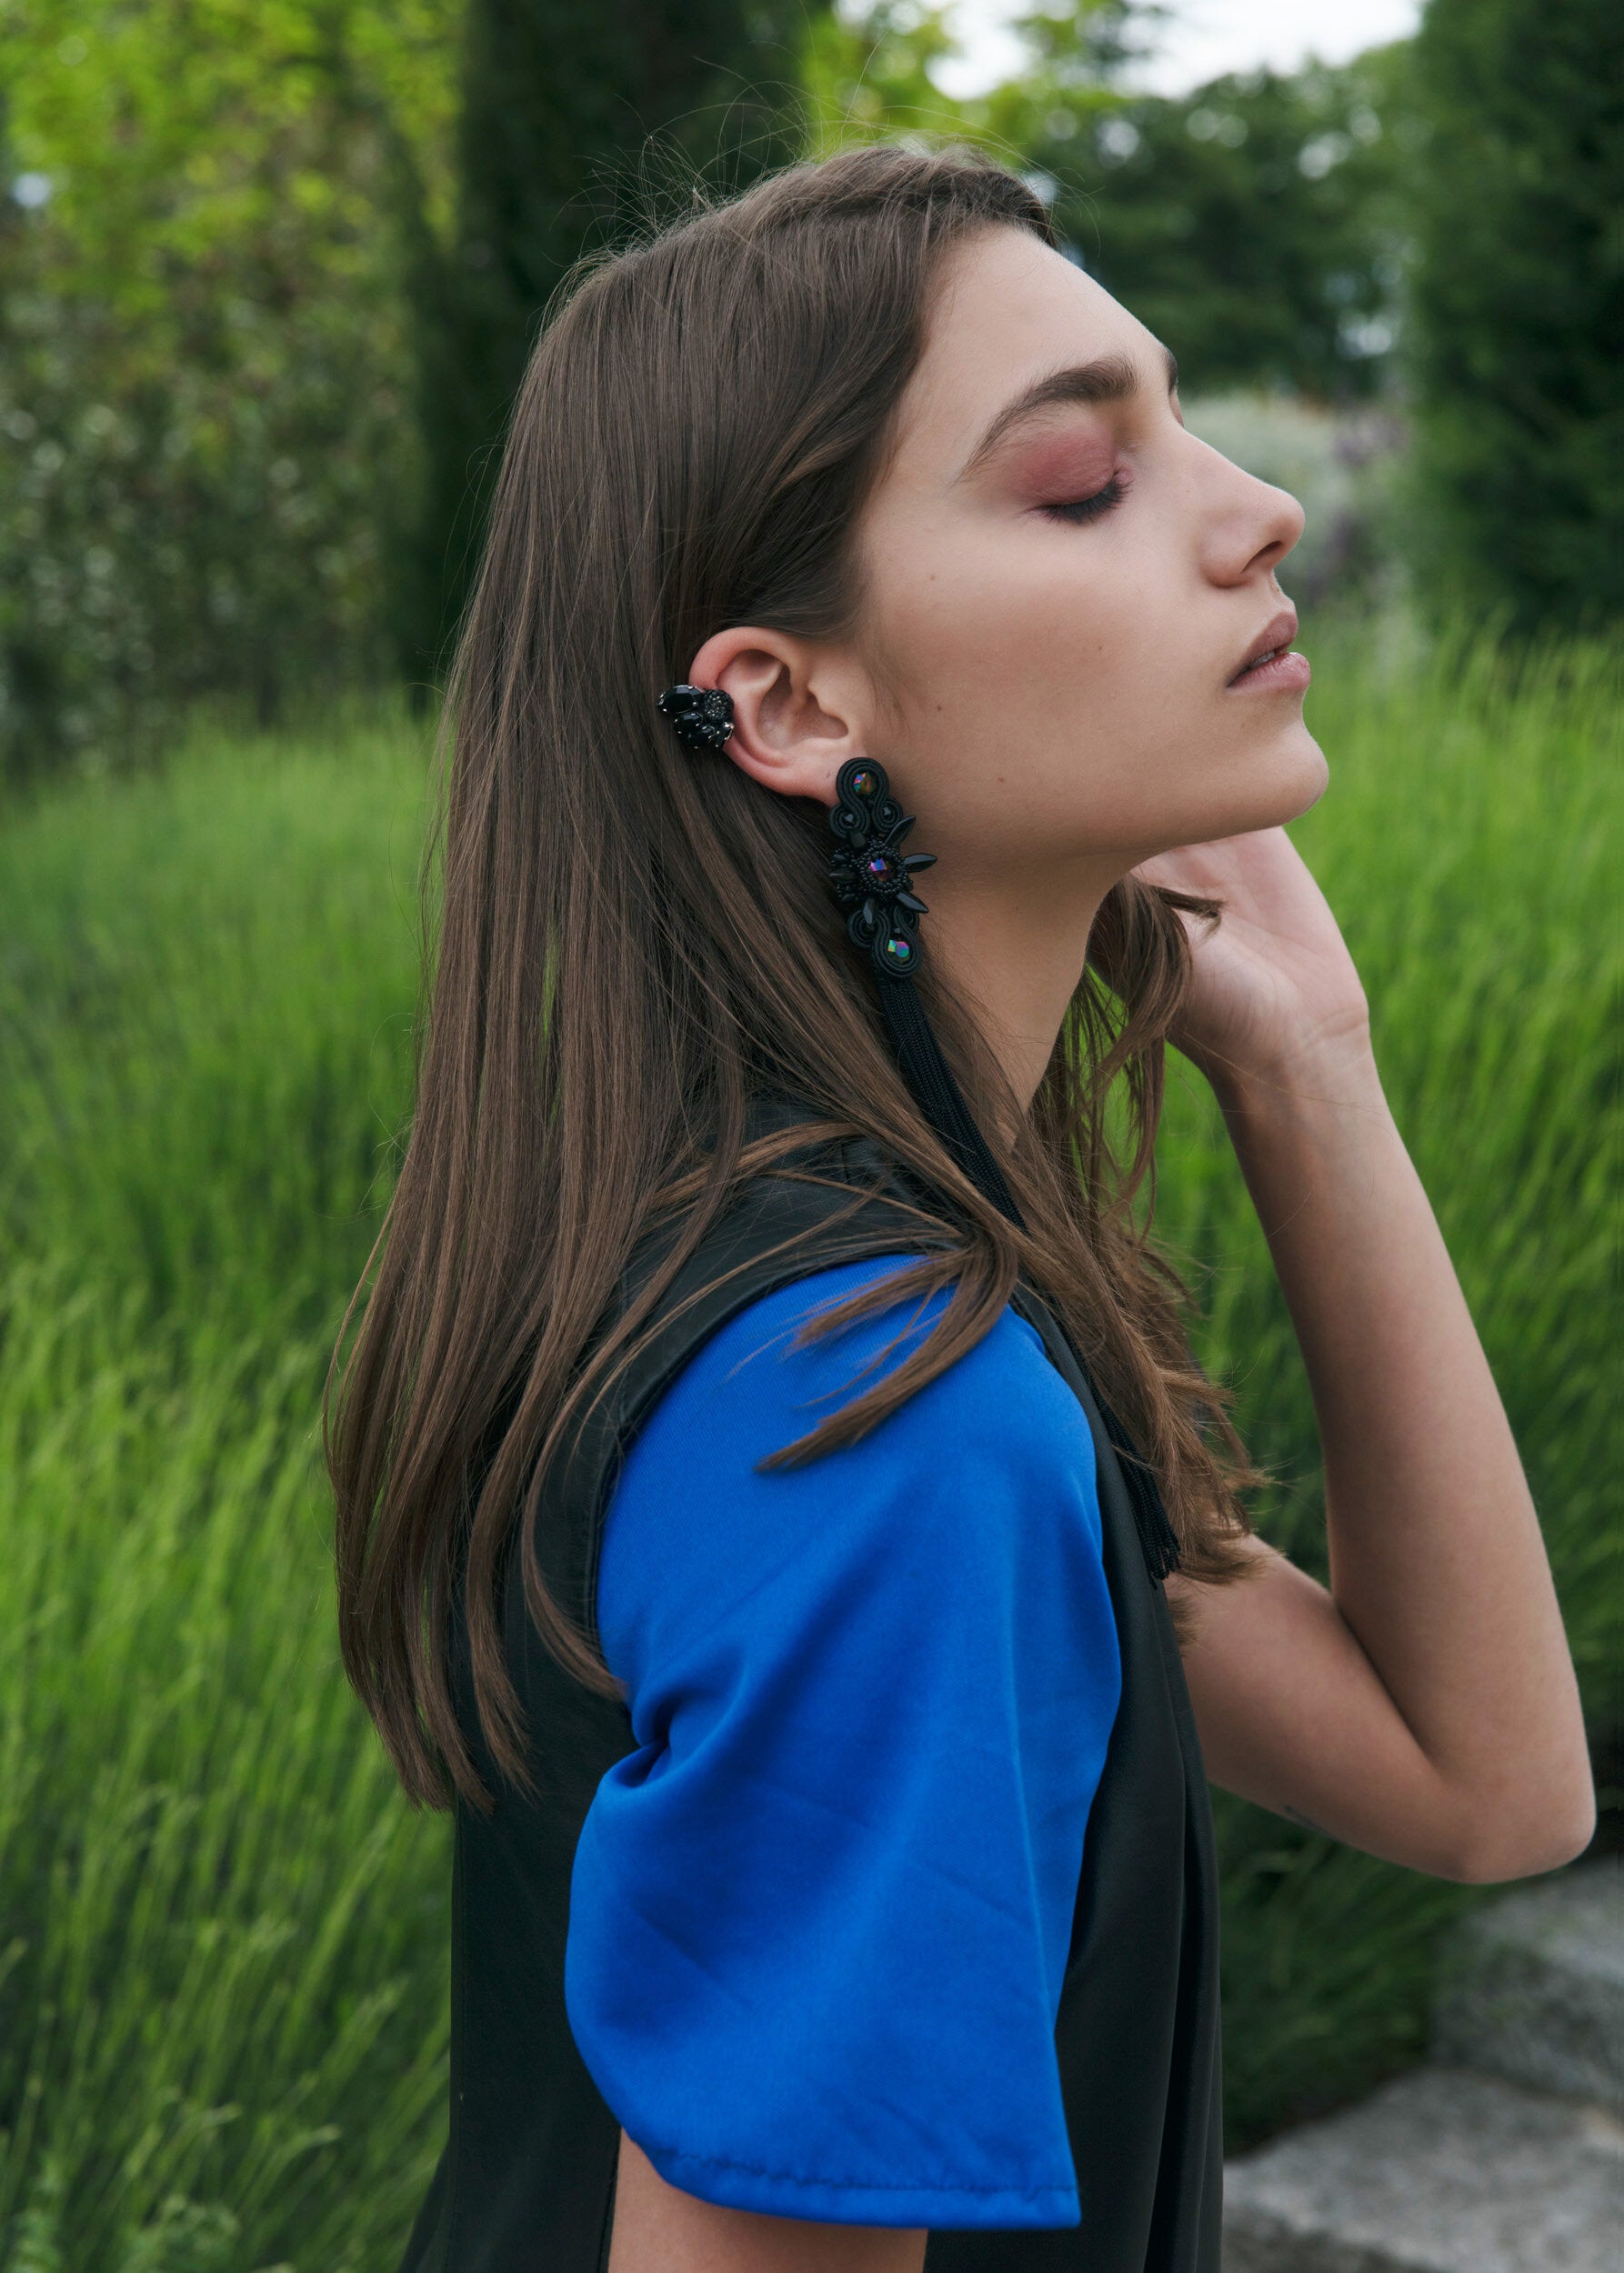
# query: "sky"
{"points": [[1204, 39]]}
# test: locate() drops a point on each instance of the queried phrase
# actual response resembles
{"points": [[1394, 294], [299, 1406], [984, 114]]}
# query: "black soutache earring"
{"points": [[871, 876]]}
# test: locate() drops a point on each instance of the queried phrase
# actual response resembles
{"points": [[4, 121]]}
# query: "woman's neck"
{"points": [[1013, 961]]}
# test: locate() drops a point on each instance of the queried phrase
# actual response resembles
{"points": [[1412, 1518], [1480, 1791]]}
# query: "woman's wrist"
{"points": [[1338, 1073]]}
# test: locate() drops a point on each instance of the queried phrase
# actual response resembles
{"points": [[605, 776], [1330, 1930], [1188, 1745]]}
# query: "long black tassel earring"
{"points": [[871, 876]]}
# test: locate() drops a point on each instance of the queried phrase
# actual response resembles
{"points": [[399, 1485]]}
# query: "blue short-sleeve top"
{"points": [[819, 1917]]}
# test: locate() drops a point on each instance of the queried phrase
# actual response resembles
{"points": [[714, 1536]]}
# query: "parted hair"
{"points": [[623, 938]]}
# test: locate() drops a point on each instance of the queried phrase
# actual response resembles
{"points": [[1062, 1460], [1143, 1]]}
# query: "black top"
{"points": [[526, 2182]]}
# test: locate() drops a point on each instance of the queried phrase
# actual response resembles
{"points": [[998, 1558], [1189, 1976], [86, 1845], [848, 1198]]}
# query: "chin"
{"points": [[1297, 776], [1313, 770]]}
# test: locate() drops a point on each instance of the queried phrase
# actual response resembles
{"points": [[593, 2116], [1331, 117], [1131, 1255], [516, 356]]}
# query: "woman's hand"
{"points": [[1274, 986]]}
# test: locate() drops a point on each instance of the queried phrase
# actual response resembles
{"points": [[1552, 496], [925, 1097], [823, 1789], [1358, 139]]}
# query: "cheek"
{"points": [[1056, 662], [1058, 688], [1031, 619]]}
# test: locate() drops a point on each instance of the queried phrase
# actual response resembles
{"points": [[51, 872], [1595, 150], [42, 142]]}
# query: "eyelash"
{"points": [[1077, 509]]}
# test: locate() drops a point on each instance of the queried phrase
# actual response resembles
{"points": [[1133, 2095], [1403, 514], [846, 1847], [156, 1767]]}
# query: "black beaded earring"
{"points": [[871, 876]]}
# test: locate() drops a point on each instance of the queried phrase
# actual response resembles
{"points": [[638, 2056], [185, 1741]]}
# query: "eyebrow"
{"points": [[1107, 379]]}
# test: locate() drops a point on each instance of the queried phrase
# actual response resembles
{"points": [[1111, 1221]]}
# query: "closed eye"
{"points": [[1077, 509]]}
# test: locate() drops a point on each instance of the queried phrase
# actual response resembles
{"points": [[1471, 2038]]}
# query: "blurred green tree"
{"points": [[206, 401], [272, 271], [572, 120], [867, 74], [1517, 315], [1256, 225], [875, 71]]}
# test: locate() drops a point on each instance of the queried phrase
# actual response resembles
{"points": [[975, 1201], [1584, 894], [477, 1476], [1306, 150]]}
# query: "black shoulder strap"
{"points": [[830, 1202]]}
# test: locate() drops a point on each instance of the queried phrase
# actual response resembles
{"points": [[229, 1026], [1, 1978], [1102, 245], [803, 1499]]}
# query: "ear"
{"points": [[799, 710]]}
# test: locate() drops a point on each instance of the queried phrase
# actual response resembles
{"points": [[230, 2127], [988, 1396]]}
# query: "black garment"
{"points": [[526, 2183]]}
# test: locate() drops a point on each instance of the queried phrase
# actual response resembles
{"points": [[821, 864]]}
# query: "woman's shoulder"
{"points": [[750, 1377], [985, 1475]]}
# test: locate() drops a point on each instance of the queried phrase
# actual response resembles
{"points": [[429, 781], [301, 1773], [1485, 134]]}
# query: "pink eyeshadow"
{"points": [[1068, 465]]}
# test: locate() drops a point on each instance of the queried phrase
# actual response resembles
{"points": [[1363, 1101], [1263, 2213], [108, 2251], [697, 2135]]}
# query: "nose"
{"points": [[1250, 524]]}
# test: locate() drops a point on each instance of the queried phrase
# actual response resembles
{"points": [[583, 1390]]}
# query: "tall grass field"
{"points": [[222, 1933]]}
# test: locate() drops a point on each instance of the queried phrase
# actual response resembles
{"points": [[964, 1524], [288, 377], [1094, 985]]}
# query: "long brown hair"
{"points": [[631, 937]]}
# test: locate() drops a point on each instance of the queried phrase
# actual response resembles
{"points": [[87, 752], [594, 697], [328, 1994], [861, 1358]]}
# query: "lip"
{"points": [[1285, 669]]}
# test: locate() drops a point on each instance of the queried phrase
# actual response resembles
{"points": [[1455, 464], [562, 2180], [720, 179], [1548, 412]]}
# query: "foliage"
{"points": [[1518, 336], [222, 1936], [205, 356], [871, 71], [274, 272], [569, 117], [1256, 224], [868, 74]]}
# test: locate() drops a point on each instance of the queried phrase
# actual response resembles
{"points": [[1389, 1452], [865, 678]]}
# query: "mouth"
{"points": [[1268, 661]]}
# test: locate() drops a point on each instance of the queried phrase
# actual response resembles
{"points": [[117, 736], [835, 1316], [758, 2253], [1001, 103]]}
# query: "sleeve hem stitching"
{"points": [[866, 2185]]}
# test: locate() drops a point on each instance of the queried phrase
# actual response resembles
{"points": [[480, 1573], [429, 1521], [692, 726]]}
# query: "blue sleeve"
{"points": [[820, 1915]]}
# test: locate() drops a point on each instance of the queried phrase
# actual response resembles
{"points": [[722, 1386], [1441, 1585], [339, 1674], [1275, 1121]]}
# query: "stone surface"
{"points": [[1438, 2171], [1533, 1986]]}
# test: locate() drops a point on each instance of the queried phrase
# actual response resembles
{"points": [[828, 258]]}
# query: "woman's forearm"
{"points": [[1437, 1561]]}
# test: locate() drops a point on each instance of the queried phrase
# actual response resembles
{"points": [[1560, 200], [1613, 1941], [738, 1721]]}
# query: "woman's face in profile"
{"points": [[1062, 584]]}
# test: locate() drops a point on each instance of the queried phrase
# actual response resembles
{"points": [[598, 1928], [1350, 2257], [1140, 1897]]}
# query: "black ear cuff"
{"points": [[702, 716]]}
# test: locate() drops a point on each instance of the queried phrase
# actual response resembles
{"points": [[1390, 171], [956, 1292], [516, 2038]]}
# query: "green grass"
{"points": [[222, 1932], [223, 1935]]}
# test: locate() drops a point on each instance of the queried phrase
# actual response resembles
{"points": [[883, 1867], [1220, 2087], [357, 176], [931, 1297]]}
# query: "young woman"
{"points": [[834, 1879]]}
